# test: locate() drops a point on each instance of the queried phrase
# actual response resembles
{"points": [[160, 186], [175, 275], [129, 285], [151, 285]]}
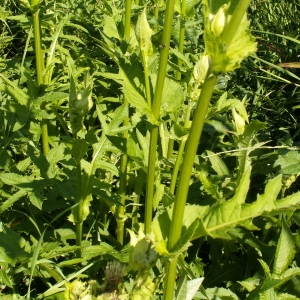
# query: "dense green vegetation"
{"points": [[149, 149]]}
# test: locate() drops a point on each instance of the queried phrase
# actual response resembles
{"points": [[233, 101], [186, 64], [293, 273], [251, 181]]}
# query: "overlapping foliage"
{"points": [[77, 141]]}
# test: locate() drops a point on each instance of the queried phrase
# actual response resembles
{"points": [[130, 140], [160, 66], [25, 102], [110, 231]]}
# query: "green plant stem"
{"points": [[178, 77], [39, 58], [188, 159], [78, 209], [170, 148], [171, 270], [127, 22], [146, 78], [230, 28], [124, 159], [181, 36], [122, 191], [45, 136], [184, 178], [156, 14], [180, 150], [164, 53], [156, 9], [138, 190], [150, 178]]}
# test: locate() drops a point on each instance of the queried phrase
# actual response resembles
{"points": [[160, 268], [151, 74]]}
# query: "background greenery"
{"points": [[74, 212]]}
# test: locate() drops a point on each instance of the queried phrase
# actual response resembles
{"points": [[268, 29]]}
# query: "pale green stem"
{"points": [[156, 14], [184, 178], [156, 10], [78, 209], [124, 159], [39, 58], [164, 53], [178, 77], [181, 36], [170, 271], [188, 159], [180, 151], [147, 79], [138, 189], [127, 22], [150, 178], [170, 148], [122, 191]]}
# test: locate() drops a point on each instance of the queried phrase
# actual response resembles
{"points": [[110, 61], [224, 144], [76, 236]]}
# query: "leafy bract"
{"points": [[143, 33], [225, 57]]}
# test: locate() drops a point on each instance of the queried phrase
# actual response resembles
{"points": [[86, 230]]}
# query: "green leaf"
{"points": [[245, 143], [11, 200], [97, 250], [189, 10], [11, 247], [242, 235], [36, 197], [193, 286], [172, 97], [217, 163], [79, 149], [110, 28], [33, 186], [14, 91], [131, 92], [273, 282], [181, 291], [159, 192], [289, 163], [285, 250], [105, 165], [144, 33], [224, 215], [218, 293], [144, 142], [119, 115], [285, 296], [4, 278]]}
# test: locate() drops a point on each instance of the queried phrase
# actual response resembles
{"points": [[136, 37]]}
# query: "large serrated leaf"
{"points": [[235, 212]]}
